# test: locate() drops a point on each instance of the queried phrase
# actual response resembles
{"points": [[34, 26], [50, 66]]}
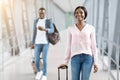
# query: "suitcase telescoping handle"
{"points": [[66, 67]]}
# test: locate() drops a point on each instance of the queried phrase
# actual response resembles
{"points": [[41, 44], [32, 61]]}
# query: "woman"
{"points": [[81, 47]]}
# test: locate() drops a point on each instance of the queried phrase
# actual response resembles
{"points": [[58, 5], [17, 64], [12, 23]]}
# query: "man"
{"points": [[41, 28]]}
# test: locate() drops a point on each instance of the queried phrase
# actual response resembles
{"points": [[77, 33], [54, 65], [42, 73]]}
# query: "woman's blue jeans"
{"points": [[81, 65], [41, 48]]}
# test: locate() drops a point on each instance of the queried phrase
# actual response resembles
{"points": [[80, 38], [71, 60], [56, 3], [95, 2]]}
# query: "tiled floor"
{"points": [[19, 68]]}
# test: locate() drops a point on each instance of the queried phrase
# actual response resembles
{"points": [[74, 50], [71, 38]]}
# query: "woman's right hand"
{"points": [[63, 66], [95, 68]]}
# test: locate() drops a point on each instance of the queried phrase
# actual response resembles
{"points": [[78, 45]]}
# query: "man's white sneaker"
{"points": [[44, 78], [38, 75]]}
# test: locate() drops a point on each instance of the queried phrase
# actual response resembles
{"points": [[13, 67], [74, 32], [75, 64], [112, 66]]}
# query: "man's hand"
{"points": [[95, 68], [42, 29], [32, 46]]}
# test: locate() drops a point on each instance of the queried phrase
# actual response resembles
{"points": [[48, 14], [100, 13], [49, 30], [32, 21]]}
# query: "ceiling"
{"points": [[68, 5]]}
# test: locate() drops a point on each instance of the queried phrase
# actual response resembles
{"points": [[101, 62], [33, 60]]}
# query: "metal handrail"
{"points": [[114, 60], [11, 47]]}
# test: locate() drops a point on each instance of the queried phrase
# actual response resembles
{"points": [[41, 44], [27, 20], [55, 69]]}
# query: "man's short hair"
{"points": [[41, 8]]}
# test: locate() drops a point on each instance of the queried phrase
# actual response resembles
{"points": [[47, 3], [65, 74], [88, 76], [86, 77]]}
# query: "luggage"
{"points": [[34, 66], [33, 63], [66, 72]]}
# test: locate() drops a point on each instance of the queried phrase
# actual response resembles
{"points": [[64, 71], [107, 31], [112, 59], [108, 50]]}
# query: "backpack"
{"points": [[54, 37]]}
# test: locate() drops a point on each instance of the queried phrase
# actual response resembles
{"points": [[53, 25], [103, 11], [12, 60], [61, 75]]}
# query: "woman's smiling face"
{"points": [[80, 14]]}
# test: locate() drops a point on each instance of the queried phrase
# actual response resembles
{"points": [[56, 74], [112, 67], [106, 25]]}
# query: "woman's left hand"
{"points": [[95, 68]]}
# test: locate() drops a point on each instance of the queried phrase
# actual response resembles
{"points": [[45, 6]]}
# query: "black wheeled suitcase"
{"points": [[66, 72]]}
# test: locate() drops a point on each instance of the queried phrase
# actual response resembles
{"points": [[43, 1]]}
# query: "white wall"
{"points": [[59, 18], [112, 18], [31, 14], [17, 14]]}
